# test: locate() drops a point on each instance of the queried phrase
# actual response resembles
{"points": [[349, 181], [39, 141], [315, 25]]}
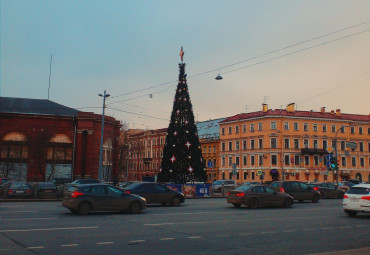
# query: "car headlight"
{"points": [[143, 198]]}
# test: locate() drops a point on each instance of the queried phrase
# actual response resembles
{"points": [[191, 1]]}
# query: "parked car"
{"points": [[349, 184], [218, 185], [355, 181], [327, 190], [18, 190], [83, 199], [155, 193], [258, 195], [3, 183], [61, 181], [298, 190], [122, 185], [357, 199], [45, 190], [250, 183]]}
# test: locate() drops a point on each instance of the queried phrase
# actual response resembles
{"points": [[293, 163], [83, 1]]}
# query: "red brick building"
{"points": [[41, 140]]}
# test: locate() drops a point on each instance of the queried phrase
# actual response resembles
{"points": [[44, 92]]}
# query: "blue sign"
{"points": [[209, 164], [329, 157]]}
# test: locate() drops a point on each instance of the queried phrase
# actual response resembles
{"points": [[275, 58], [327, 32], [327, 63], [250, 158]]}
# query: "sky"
{"points": [[313, 53]]}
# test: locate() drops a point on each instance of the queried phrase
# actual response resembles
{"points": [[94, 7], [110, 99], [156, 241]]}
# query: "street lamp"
{"points": [[100, 175]]}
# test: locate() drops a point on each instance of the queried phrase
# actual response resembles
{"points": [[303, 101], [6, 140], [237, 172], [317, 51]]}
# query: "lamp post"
{"points": [[100, 175]]}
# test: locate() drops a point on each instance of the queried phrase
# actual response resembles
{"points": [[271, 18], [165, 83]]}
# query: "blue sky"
{"points": [[125, 46]]}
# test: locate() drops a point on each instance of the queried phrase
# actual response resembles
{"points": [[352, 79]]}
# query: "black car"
{"points": [[18, 190], [83, 199], [156, 193], [298, 190], [327, 190], [45, 190]]}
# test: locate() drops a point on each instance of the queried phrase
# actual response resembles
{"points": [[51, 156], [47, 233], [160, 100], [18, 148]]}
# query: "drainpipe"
{"points": [[74, 147]]}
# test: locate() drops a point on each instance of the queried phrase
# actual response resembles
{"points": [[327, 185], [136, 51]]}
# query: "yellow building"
{"points": [[293, 145]]}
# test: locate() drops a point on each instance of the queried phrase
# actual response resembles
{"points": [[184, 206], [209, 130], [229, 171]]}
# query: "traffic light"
{"points": [[334, 163]]}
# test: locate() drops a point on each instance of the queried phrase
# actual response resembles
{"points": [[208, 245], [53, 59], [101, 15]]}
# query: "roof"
{"points": [[209, 129], [34, 106], [304, 114]]}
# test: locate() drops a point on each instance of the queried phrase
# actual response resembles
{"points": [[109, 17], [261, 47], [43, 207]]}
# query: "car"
{"points": [[60, 181], [298, 190], [349, 184], [327, 190], [85, 181], [219, 184], [250, 183], [18, 190], [258, 195], [45, 190], [357, 199], [155, 193], [84, 198], [3, 184]]}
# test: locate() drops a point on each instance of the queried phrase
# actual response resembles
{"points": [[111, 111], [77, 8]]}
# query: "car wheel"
{"points": [[315, 199], [236, 205], [351, 213], [84, 208], [253, 203], [175, 201], [135, 207], [288, 203]]}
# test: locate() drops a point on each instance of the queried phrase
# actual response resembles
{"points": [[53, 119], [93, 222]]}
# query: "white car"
{"points": [[357, 199]]}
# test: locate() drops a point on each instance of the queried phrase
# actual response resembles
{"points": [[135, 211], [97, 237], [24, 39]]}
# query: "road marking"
{"points": [[51, 218], [345, 227], [245, 234], [309, 229], [326, 228], [44, 229], [227, 221], [268, 232], [36, 247], [137, 241], [365, 250], [8, 206], [103, 243], [194, 237], [69, 245], [289, 231], [361, 226], [19, 212], [167, 238]]}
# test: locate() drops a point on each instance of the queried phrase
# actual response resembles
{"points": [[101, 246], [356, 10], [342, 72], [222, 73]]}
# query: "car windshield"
{"points": [[133, 186], [218, 183], [18, 185], [358, 191], [243, 188]]}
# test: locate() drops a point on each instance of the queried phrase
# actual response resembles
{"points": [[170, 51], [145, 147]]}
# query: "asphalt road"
{"points": [[200, 226]]}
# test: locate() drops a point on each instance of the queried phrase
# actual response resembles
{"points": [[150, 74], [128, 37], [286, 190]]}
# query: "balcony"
{"points": [[308, 151]]}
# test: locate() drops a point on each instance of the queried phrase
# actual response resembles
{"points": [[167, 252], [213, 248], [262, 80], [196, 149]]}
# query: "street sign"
{"points": [[351, 145], [329, 157], [209, 164], [329, 149]]}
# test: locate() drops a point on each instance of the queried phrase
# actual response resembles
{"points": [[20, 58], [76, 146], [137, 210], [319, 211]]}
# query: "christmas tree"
{"points": [[182, 155]]}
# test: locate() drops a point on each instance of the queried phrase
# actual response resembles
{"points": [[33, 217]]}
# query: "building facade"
{"points": [[42, 140], [293, 145]]}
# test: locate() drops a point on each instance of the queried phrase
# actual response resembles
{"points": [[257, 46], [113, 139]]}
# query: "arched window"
{"points": [[59, 149], [107, 152]]}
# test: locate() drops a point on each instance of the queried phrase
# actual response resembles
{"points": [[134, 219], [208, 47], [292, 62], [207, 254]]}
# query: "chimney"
{"points": [[332, 112], [265, 107], [322, 110], [290, 107], [337, 112]]}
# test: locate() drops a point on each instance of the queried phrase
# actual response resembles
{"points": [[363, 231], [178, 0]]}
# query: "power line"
{"points": [[137, 114]]}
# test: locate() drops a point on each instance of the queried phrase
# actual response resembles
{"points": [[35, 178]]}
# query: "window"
{"points": [[209, 149], [244, 160], [286, 143], [305, 126], [361, 146], [252, 144], [273, 143], [223, 146], [252, 160], [306, 160], [237, 161], [260, 126], [214, 149], [352, 130], [296, 126], [324, 128], [360, 130], [333, 128], [286, 160], [222, 131], [273, 125], [286, 125], [296, 160], [362, 162], [252, 127], [344, 163], [273, 159], [306, 143], [245, 175], [316, 160], [236, 145], [342, 129], [244, 128], [296, 143], [230, 146], [368, 130], [237, 130], [244, 145], [324, 144], [214, 163], [353, 161], [114, 191], [314, 127], [230, 130], [161, 140], [315, 144], [260, 143], [260, 160], [223, 161], [230, 161]]}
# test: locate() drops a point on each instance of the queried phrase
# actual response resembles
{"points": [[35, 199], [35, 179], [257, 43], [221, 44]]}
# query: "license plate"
{"points": [[354, 199], [19, 191]]}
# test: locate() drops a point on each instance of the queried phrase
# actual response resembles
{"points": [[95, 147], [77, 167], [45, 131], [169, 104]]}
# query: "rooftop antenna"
{"points": [[51, 59], [246, 108]]}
